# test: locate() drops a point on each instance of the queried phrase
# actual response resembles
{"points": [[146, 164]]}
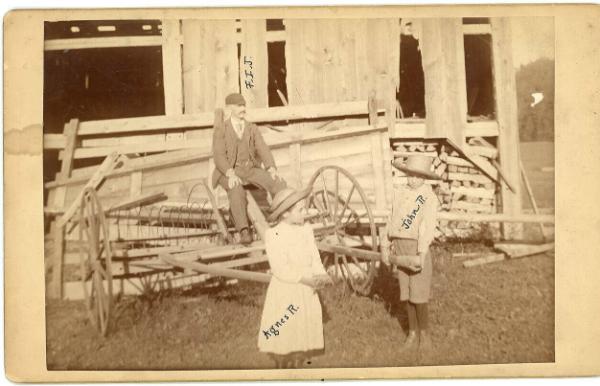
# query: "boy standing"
{"points": [[412, 226]]}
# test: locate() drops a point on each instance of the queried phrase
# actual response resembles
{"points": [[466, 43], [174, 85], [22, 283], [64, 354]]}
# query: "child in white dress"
{"points": [[291, 324]]}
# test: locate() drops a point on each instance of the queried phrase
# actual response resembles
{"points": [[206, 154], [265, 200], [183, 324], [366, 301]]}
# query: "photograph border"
{"points": [[577, 331]]}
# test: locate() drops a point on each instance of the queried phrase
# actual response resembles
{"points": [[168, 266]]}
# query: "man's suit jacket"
{"points": [[225, 142]]}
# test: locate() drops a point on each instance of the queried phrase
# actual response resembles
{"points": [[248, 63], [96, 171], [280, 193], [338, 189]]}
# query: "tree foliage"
{"points": [[536, 123]]}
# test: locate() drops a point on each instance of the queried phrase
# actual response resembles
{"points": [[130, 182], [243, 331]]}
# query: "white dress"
{"points": [[291, 319]]}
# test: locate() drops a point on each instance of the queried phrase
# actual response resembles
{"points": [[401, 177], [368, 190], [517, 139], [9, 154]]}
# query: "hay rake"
{"points": [[139, 243]]}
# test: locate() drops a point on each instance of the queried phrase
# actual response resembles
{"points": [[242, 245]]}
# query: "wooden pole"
{"points": [[442, 50], [382, 215], [384, 137], [213, 269], [508, 125], [296, 164], [515, 251], [256, 216], [254, 63], [172, 71], [487, 259], [376, 156], [55, 288], [532, 198]]}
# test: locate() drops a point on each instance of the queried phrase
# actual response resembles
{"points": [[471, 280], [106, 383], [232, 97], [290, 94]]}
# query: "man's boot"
{"points": [[245, 237]]}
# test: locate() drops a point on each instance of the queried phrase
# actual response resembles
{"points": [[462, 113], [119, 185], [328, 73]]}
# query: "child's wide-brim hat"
{"points": [[285, 199], [418, 165]]}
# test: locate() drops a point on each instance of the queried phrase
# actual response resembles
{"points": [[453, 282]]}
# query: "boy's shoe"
{"points": [[425, 343], [245, 237], [410, 341]]}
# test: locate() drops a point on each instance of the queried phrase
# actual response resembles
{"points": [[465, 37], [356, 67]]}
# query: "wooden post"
{"points": [[70, 133], [376, 156], [55, 288], [532, 198], [135, 189], [193, 69], [254, 63], [296, 165], [172, 72], [442, 49], [508, 126], [390, 114], [219, 121], [384, 243]]}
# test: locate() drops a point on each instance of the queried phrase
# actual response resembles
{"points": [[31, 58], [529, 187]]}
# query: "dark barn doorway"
{"points": [[99, 83]]}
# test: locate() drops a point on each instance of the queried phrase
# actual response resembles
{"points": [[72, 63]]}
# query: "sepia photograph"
{"points": [[298, 192], [287, 190]]}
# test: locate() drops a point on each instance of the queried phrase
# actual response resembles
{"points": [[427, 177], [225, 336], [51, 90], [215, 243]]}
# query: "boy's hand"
{"points": [[420, 263]]}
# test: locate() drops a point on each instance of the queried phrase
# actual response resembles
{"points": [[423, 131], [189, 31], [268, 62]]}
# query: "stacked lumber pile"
{"points": [[463, 187]]}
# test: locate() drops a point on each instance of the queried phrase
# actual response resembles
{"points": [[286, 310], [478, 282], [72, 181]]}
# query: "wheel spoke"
{"points": [[336, 194], [351, 216], [346, 203], [348, 272], [356, 262], [326, 201], [326, 260]]}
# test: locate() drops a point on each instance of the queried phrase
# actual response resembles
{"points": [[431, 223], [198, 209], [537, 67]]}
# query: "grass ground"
{"points": [[497, 313]]}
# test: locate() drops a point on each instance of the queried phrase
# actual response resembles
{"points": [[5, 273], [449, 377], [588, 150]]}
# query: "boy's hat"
{"points": [[419, 165], [235, 99], [285, 199]]}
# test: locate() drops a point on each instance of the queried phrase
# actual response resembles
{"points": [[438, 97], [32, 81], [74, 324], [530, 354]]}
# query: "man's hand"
{"points": [[273, 172], [232, 179]]}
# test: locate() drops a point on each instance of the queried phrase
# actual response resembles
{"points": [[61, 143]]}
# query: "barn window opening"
{"points": [[277, 87], [275, 25], [100, 28], [478, 68], [99, 83], [411, 95], [476, 20], [240, 64]]}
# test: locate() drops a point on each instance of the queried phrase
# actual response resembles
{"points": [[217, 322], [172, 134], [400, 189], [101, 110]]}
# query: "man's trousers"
{"points": [[237, 195]]}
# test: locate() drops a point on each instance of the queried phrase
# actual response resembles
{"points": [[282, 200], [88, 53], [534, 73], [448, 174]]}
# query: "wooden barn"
{"points": [[355, 93]]}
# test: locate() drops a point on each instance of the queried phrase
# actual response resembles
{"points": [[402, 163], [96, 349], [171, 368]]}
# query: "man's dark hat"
{"points": [[235, 99]]}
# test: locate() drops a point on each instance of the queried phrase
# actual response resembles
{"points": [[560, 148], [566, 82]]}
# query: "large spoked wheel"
{"points": [[95, 257], [339, 205]]}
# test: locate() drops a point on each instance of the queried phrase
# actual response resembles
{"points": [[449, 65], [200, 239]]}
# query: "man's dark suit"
{"points": [[225, 152]]}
